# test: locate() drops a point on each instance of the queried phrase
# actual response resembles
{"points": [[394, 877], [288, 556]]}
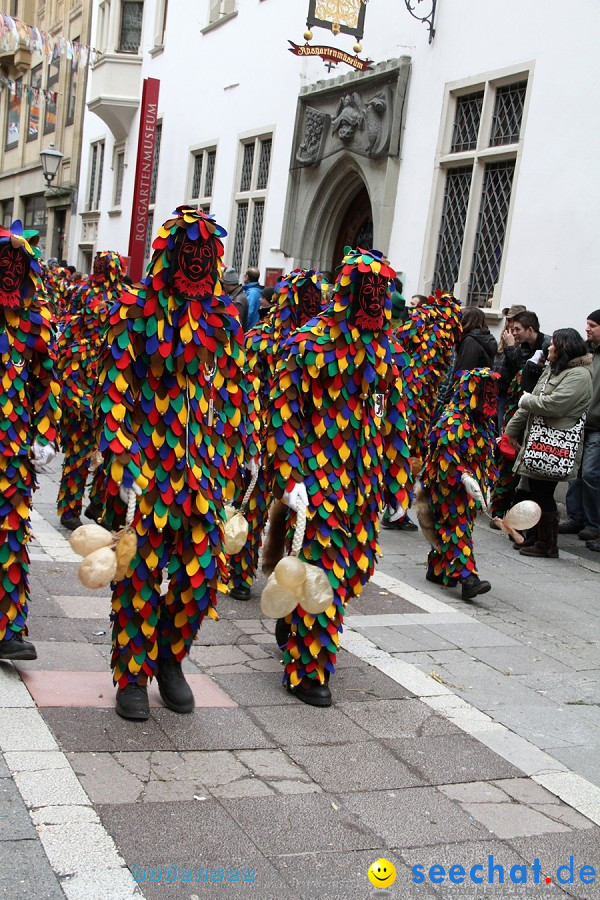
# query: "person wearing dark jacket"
{"points": [[477, 347]]}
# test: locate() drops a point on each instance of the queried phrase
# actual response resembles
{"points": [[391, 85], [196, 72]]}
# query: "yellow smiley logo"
{"points": [[381, 873]]}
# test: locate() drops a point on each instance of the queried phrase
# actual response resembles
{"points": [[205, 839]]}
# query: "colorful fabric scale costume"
{"points": [[459, 469], [426, 343], [28, 420], [505, 490], [174, 404], [296, 300], [338, 430], [80, 348]]}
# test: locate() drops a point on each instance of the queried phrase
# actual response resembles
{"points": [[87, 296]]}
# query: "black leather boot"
{"points": [[174, 689], [472, 586], [283, 630], [546, 545], [70, 522], [94, 512], [240, 593], [132, 702], [17, 648], [315, 694]]}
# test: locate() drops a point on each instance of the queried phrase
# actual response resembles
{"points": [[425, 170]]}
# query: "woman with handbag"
{"points": [[549, 424]]}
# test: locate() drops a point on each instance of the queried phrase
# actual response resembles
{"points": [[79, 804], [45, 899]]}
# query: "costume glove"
{"points": [[296, 496], [43, 454], [473, 490]]}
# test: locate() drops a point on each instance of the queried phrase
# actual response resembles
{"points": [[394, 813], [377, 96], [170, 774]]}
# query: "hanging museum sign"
{"points": [[330, 55], [143, 178], [347, 16]]}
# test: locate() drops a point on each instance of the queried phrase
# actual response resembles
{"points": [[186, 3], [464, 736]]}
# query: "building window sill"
{"points": [[116, 211], [156, 50], [213, 25]]}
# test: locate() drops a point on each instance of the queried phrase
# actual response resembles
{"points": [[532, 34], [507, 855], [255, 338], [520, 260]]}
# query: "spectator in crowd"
{"points": [[418, 300], [560, 397], [266, 302], [230, 282], [477, 347], [506, 339], [253, 293], [529, 345], [583, 496]]}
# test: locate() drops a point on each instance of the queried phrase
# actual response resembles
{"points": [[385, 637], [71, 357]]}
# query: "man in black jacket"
{"points": [[230, 282], [529, 344]]}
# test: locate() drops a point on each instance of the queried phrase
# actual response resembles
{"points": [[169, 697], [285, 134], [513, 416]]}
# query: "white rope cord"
{"points": [[131, 504], [300, 529]]}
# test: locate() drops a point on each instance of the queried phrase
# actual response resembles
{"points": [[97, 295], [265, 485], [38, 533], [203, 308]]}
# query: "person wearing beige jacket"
{"points": [[562, 396]]}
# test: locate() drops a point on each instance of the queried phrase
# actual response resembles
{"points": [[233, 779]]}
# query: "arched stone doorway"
{"points": [[356, 228]]}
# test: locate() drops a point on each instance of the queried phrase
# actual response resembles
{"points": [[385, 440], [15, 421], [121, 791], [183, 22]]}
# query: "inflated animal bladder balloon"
{"points": [[519, 518], [294, 582]]}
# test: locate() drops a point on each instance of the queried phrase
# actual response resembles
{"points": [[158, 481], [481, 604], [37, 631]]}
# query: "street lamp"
{"points": [[50, 162]]}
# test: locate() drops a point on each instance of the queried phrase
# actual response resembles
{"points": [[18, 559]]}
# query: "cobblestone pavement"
{"points": [[462, 735]]}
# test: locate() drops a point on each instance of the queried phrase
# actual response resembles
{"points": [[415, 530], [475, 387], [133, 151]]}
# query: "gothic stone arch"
{"points": [[347, 136]]}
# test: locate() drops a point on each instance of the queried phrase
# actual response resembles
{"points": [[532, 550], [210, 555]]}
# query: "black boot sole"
{"points": [[482, 588], [181, 708], [311, 698], [21, 656], [138, 714]]}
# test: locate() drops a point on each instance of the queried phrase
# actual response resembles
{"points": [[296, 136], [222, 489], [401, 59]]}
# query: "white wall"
{"points": [[240, 78]]}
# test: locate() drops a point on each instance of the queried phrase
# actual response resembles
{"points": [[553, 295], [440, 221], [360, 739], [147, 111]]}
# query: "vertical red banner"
{"points": [[143, 177]]}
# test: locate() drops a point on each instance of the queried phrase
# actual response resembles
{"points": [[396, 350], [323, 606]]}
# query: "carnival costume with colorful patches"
{"points": [[426, 341], [461, 444], [28, 419], [506, 489], [175, 423], [80, 347], [338, 427], [296, 300]]}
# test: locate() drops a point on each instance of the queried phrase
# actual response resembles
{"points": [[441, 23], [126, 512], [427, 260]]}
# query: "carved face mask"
{"points": [[490, 398], [13, 269], [195, 266], [310, 301], [369, 301], [100, 269]]}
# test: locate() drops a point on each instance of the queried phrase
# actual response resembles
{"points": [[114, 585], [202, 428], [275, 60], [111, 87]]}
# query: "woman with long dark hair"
{"points": [[477, 347], [561, 397]]}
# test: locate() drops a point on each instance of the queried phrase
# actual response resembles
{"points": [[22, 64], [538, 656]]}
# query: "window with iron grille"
{"points": [[130, 36], [249, 212], [202, 176], [508, 113], [95, 176], [118, 178], [155, 162], [466, 122], [469, 228]]}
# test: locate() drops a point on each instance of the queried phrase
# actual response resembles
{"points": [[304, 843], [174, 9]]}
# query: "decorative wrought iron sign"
{"points": [[347, 16], [429, 17], [330, 55]]}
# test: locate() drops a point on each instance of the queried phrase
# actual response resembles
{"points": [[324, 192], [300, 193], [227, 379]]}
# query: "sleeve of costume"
{"points": [[285, 429], [43, 387], [398, 476], [120, 380]]}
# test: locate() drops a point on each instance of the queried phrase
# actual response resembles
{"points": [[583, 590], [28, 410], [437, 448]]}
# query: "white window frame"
{"points": [[160, 26], [481, 156], [202, 200], [118, 153], [250, 196], [94, 190], [220, 9]]}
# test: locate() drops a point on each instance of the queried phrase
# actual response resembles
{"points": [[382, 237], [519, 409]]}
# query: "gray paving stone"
{"points": [[413, 817], [477, 792], [569, 688], [519, 660], [473, 853], [4, 772], [397, 718], [354, 767], [299, 724], [447, 758], [104, 779], [272, 765], [526, 791], [212, 729], [411, 638], [63, 656], [365, 683], [547, 728], [25, 872], [218, 655], [555, 850], [225, 631], [508, 820], [584, 760], [196, 830], [305, 824], [343, 876], [475, 635], [15, 823], [45, 628], [96, 730]]}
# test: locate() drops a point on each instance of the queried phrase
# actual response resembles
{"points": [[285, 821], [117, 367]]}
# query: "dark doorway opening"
{"points": [[356, 229]]}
